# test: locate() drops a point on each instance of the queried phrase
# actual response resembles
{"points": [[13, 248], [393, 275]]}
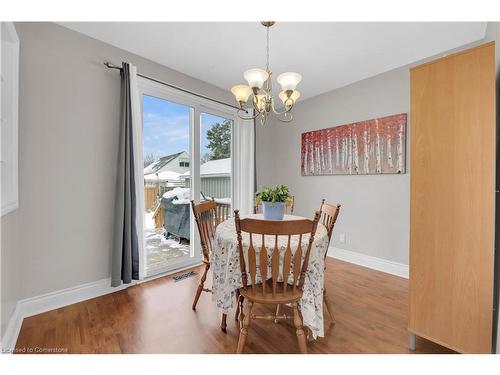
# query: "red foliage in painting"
{"points": [[374, 146]]}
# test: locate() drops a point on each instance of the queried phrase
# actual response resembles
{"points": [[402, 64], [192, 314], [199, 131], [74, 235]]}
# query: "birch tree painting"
{"points": [[376, 146]]}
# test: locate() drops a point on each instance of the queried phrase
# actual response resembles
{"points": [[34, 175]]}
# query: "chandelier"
{"points": [[260, 89]]}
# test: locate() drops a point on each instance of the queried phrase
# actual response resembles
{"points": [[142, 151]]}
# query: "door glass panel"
{"points": [[167, 211], [215, 161]]}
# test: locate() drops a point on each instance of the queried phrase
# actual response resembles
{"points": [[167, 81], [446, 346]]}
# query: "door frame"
{"points": [[228, 116], [197, 106]]}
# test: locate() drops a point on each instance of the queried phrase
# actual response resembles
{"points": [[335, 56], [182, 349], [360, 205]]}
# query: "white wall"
{"points": [[375, 208], [265, 148], [62, 233]]}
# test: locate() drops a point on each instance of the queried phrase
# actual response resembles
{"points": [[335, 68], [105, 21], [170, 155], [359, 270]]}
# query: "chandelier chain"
{"points": [[267, 52]]}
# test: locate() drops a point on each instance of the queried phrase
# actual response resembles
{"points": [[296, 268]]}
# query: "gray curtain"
{"points": [[125, 259]]}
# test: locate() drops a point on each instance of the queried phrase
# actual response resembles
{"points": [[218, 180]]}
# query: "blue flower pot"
{"points": [[273, 211]]}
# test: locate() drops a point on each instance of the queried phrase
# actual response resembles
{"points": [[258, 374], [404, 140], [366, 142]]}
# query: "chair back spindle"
{"points": [[293, 264], [205, 216], [243, 269]]}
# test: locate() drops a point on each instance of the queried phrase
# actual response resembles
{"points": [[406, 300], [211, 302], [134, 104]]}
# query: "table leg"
{"points": [[223, 323]]}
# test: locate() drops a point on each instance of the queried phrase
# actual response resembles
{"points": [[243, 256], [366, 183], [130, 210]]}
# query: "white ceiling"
{"points": [[328, 55]]}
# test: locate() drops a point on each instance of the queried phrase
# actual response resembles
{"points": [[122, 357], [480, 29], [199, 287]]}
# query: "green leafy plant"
{"points": [[280, 193]]}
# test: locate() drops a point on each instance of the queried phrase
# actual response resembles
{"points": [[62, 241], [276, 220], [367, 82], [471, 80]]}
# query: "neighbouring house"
{"points": [[178, 162], [215, 178], [163, 175], [165, 171]]}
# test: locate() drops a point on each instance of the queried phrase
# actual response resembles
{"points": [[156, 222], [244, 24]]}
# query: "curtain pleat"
{"points": [[125, 256]]}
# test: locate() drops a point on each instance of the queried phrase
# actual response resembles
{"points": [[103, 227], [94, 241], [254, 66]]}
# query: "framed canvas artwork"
{"points": [[376, 146]]}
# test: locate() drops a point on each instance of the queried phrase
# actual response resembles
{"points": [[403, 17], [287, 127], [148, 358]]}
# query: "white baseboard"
{"points": [[379, 264], [50, 301], [13, 328], [54, 300]]}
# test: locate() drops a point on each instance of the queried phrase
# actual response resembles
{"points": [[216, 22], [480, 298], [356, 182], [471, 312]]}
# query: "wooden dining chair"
{"points": [[271, 291], [329, 214], [207, 219], [289, 206]]}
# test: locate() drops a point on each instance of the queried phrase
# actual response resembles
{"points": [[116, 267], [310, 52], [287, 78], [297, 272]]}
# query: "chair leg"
{"points": [[276, 320], [241, 314], [200, 287], [244, 328], [223, 323], [237, 313], [299, 330], [329, 306]]}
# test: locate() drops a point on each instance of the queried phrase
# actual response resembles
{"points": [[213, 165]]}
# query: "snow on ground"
{"points": [[159, 250], [149, 221], [180, 193], [162, 176], [223, 200]]}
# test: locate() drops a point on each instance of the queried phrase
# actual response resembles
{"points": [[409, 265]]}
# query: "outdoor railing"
{"points": [[222, 210]]}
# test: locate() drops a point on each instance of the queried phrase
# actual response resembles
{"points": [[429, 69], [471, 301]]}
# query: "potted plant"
{"points": [[273, 201]]}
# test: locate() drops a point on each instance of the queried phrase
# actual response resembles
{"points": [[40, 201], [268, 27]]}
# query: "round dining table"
{"points": [[226, 273]]}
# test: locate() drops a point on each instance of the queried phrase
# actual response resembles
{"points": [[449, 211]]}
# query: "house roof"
{"points": [[161, 162], [214, 168], [162, 176]]}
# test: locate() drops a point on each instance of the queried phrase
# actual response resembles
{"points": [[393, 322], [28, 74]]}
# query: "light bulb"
{"points": [[241, 93], [289, 80], [256, 77]]}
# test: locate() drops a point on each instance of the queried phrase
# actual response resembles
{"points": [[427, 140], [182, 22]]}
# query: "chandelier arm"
{"points": [[285, 119], [279, 112], [254, 103], [283, 111], [246, 117]]}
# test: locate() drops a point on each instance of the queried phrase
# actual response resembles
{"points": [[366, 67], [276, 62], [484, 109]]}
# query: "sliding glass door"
{"points": [[166, 160], [186, 151], [216, 161]]}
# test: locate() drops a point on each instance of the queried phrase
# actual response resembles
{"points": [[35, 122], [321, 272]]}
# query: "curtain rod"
{"points": [[111, 66]]}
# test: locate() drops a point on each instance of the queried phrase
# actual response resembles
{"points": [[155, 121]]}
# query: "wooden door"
{"points": [[452, 199]]}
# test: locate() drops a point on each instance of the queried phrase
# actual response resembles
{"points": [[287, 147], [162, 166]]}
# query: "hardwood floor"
{"points": [[371, 309]]}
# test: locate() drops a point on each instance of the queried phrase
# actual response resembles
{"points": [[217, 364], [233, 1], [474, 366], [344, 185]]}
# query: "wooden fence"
{"points": [[150, 194], [223, 212]]}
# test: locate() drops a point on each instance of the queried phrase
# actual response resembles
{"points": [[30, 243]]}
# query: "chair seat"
{"points": [[255, 294]]}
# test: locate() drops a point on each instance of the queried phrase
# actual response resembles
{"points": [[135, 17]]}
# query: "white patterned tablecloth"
{"points": [[226, 274]]}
